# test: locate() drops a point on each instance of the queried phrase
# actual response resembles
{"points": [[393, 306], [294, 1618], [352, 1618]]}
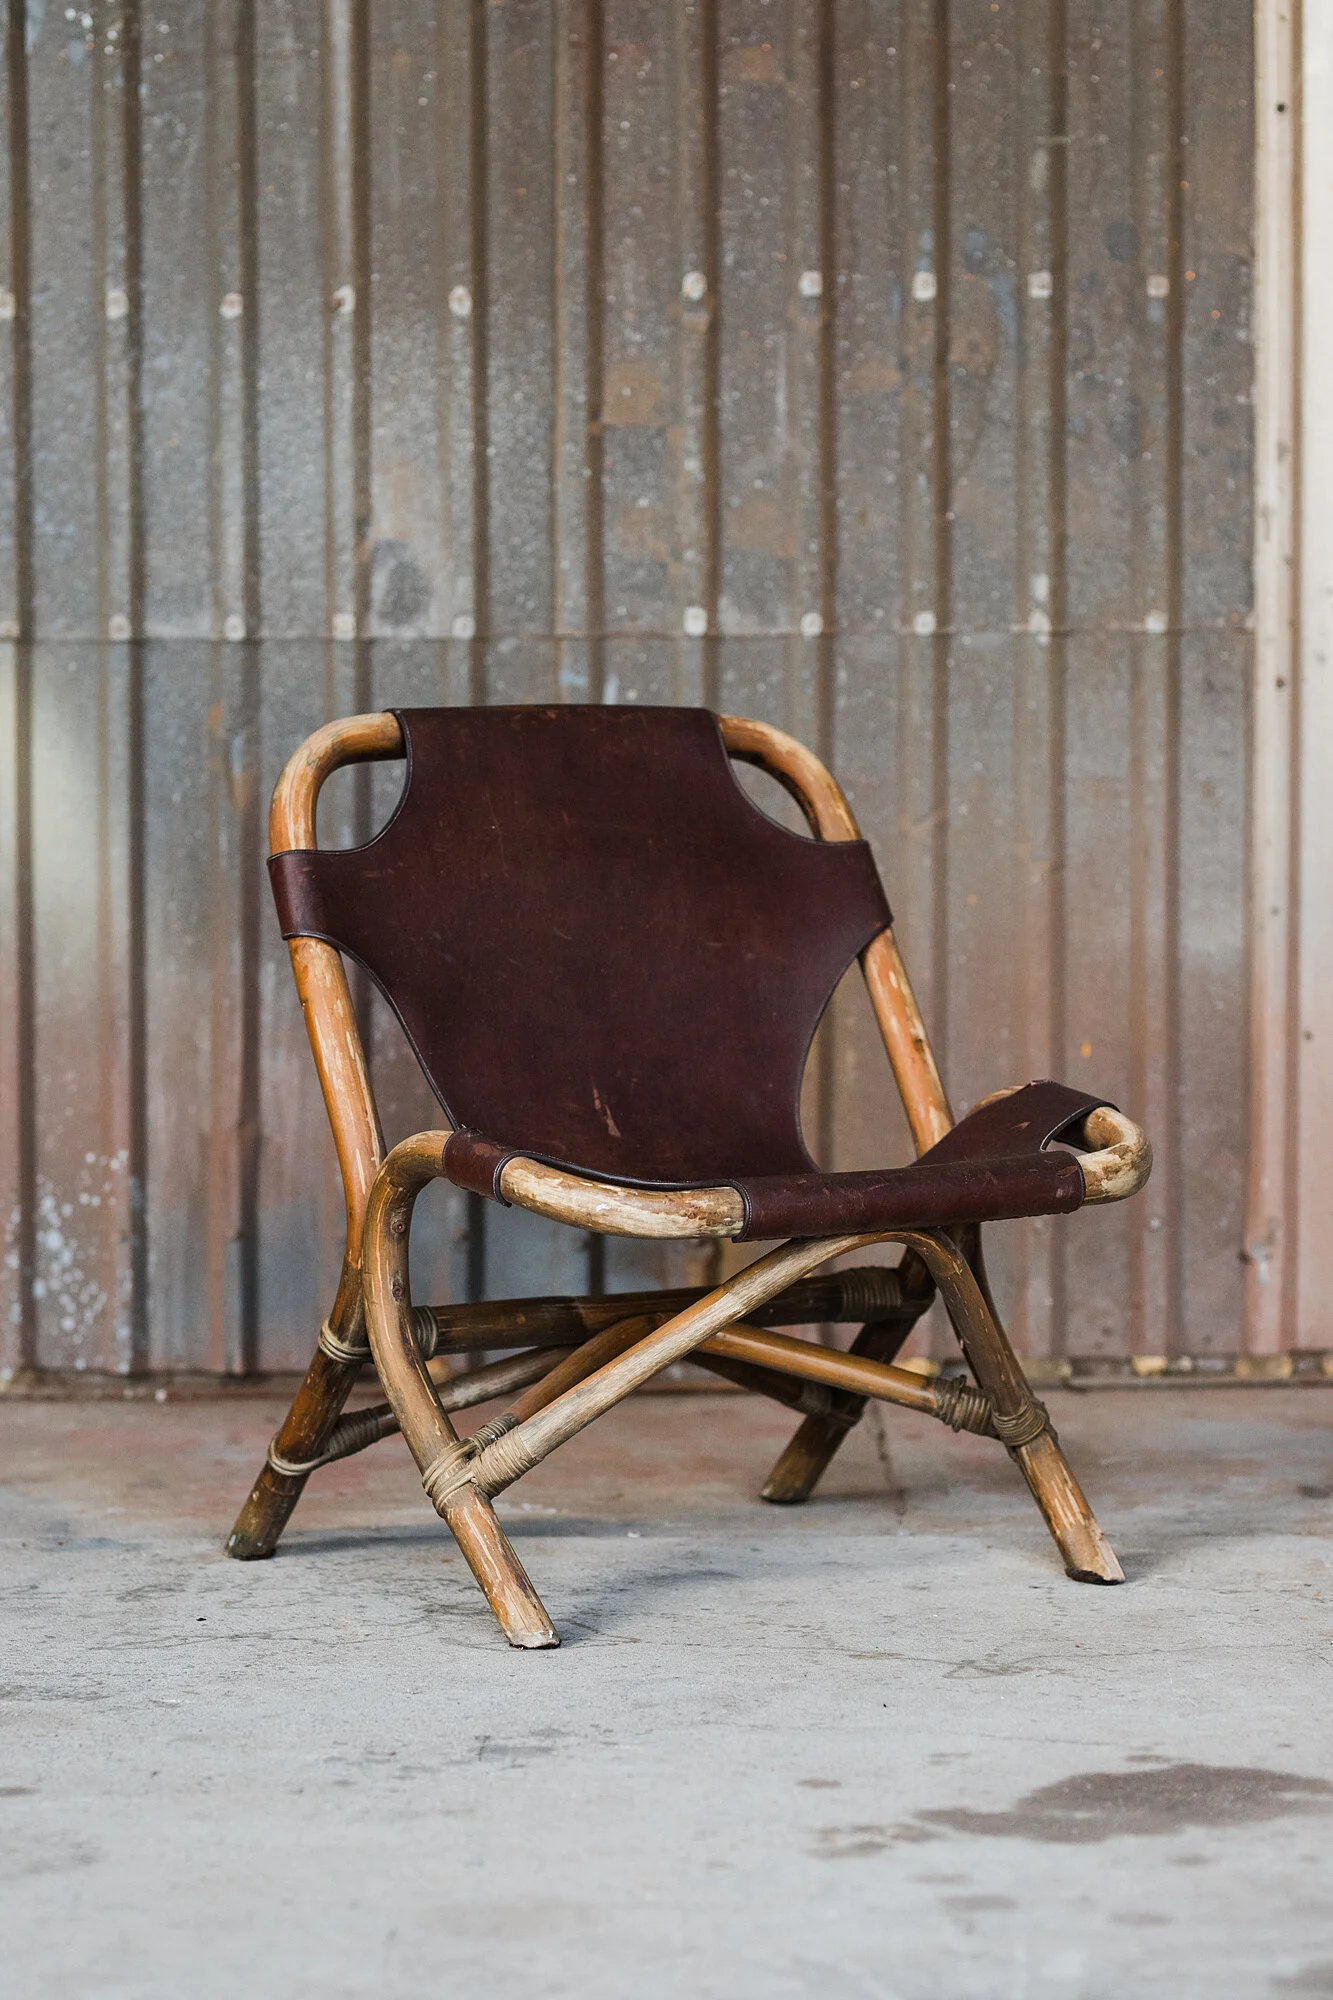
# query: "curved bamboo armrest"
{"points": [[1122, 1161], [621, 1211]]}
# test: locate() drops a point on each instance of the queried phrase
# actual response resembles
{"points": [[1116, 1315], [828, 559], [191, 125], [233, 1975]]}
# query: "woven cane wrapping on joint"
{"points": [[351, 1353], [351, 1433], [505, 1461], [962, 1407], [450, 1469], [870, 1291], [1023, 1427], [487, 1433], [425, 1331]]}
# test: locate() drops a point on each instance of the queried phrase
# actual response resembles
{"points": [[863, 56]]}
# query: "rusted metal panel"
{"points": [[880, 370]]}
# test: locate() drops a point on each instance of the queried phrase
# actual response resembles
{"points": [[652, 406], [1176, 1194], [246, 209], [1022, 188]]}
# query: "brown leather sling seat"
{"points": [[608, 959]]}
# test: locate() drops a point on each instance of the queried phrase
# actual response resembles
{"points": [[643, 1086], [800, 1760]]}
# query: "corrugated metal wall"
{"points": [[879, 367]]}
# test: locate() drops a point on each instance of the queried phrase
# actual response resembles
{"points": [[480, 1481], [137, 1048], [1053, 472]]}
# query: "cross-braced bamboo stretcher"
{"points": [[610, 964]]}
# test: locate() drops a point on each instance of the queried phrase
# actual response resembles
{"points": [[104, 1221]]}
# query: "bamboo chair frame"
{"points": [[584, 1355]]}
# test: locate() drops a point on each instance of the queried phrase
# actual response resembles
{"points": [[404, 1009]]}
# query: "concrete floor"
{"points": [[877, 1747]]}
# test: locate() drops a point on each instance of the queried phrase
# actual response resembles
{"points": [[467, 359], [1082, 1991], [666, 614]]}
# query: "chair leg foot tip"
{"points": [[241, 1549], [534, 1642], [1107, 1575]]}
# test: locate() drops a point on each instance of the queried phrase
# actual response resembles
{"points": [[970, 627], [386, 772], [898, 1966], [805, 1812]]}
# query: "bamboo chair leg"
{"points": [[468, 1513], [427, 1431], [315, 1409], [471, 1518], [1088, 1556], [816, 1444], [490, 1556]]}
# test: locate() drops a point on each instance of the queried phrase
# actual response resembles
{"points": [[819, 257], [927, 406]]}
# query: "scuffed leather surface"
{"points": [[603, 953]]}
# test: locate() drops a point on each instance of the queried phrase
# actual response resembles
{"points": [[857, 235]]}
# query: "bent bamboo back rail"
{"points": [[825, 806]]}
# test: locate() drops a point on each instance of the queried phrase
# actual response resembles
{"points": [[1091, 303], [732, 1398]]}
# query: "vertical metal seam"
{"points": [[1272, 1210], [1057, 487], [248, 277], [594, 583], [110, 1071], [710, 201], [20, 224], [826, 686], [99, 227], [942, 537], [1291, 1136], [326, 144], [828, 385], [1141, 824], [132, 186], [1177, 145], [250, 844], [1032, 652], [357, 86], [221, 1219], [479, 191], [360, 252], [479, 196], [594, 445]]}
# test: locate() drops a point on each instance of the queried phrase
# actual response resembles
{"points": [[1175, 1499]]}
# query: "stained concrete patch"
{"points": [[1311, 1979], [1099, 1805], [853, 1843]]}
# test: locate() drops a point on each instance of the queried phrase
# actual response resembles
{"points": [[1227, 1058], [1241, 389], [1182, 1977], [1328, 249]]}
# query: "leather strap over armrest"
{"points": [[476, 1164], [992, 1167], [927, 1195]]}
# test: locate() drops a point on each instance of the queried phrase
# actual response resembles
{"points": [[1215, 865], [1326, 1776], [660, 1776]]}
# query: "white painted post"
{"points": [[1270, 1231], [1313, 1066]]}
